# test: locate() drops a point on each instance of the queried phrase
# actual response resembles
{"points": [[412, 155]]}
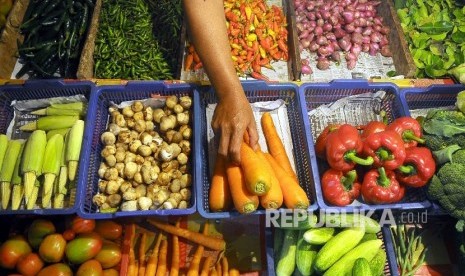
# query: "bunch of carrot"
{"points": [[155, 263], [257, 35], [262, 178]]}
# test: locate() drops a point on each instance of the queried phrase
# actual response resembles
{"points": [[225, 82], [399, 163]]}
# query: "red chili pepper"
{"points": [[340, 189], [386, 148], [419, 166], [380, 187], [320, 143], [342, 147], [409, 129]]}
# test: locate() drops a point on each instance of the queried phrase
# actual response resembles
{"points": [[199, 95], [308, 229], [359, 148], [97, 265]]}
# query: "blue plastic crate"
{"points": [[260, 91], [316, 94], [42, 89], [432, 97], [390, 267], [102, 96]]}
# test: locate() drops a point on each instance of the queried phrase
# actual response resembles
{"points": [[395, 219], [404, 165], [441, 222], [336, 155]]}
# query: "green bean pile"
{"points": [[54, 32], [125, 47], [167, 22]]}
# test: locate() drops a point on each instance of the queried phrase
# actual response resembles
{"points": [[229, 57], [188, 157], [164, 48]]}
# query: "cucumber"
{"points": [[336, 247], [345, 264], [352, 220], [361, 268], [278, 236], [319, 236], [305, 256], [369, 237], [310, 222], [378, 262], [287, 258]]}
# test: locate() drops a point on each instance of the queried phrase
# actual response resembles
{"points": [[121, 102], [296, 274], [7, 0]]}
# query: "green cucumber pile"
{"points": [[54, 33], [330, 250]]}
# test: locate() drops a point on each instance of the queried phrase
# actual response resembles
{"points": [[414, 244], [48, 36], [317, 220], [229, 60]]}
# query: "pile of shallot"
{"points": [[344, 27]]}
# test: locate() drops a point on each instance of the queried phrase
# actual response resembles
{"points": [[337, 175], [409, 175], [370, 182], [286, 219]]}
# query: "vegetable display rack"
{"points": [[415, 100], [257, 91], [317, 94], [102, 98], [44, 89]]}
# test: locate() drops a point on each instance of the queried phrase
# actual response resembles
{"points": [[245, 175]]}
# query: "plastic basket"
{"points": [[316, 94], [432, 97], [42, 89], [390, 267], [134, 90], [260, 91]]}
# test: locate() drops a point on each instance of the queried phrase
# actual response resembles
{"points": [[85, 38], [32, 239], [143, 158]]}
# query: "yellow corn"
{"points": [[61, 181], [61, 131], [3, 146], [35, 193], [31, 162], [51, 166], [75, 108], [17, 182], [73, 148], [50, 122], [8, 167]]}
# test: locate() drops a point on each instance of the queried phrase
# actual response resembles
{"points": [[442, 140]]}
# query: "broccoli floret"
{"points": [[453, 116], [435, 142], [435, 189], [452, 189], [459, 157], [458, 139], [445, 155], [452, 173]]}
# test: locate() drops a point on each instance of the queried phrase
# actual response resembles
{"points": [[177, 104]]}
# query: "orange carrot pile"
{"points": [[219, 195], [244, 201], [257, 35]]}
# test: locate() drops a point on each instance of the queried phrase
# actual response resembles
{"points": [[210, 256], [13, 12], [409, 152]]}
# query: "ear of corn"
{"points": [[73, 148], [34, 195], [31, 162], [61, 181], [3, 146], [17, 182], [76, 108], [8, 167], [61, 131], [51, 167], [50, 122]]}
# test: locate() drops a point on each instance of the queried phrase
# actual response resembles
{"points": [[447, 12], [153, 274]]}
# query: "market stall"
{"points": [[109, 164]]}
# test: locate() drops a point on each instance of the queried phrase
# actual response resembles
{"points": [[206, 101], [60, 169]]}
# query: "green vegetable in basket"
{"points": [[445, 155], [444, 122], [410, 252], [460, 102]]}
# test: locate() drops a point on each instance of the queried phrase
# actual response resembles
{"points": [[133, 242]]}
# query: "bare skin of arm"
{"points": [[233, 115]]}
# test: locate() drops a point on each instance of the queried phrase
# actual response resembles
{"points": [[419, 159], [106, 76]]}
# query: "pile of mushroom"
{"points": [[145, 157]]}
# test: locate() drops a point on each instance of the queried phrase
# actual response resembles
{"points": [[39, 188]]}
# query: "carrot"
{"points": [[294, 196], [219, 197], [162, 262], [213, 243], [243, 200], [218, 268], [152, 262], [174, 271], [196, 58], [257, 177], [225, 265], [234, 272], [206, 266], [136, 268], [198, 66], [274, 198], [275, 145], [194, 266], [188, 62], [132, 267], [214, 272], [142, 263]]}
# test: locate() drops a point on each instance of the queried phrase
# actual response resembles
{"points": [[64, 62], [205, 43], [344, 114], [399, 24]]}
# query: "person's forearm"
{"points": [[208, 33]]}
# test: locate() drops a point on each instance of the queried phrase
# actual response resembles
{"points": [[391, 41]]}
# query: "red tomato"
{"points": [[30, 264], [69, 234], [109, 255], [80, 225], [52, 248], [12, 249], [109, 229], [90, 268]]}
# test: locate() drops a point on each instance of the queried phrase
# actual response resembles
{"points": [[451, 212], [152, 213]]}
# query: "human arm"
{"points": [[233, 114]]}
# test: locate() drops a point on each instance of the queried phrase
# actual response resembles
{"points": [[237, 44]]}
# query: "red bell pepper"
{"points": [[381, 187], [320, 143], [375, 126], [409, 129], [342, 147], [386, 148], [340, 189], [419, 166]]}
